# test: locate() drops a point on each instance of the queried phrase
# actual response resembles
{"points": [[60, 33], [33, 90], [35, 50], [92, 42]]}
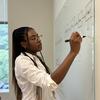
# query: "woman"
{"points": [[31, 76]]}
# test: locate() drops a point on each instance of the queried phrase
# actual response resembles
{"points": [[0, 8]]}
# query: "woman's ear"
{"points": [[23, 44]]}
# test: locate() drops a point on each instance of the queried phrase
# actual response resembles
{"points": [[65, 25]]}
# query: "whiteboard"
{"points": [[76, 15]]}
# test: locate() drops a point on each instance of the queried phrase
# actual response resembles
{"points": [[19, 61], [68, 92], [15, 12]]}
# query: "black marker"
{"points": [[69, 39]]}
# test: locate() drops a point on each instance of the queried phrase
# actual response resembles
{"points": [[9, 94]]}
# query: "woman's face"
{"points": [[33, 42]]}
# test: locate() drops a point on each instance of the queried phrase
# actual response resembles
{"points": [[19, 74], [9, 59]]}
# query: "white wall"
{"points": [[3, 10], [39, 15], [97, 48]]}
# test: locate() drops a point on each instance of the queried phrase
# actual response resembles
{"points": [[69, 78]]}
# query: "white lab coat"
{"points": [[29, 77]]}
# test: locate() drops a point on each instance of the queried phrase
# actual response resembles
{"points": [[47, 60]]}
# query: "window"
{"points": [[4, 49]]}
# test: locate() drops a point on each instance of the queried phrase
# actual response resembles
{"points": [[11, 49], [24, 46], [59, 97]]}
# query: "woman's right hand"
{"points": [[75, 42]]}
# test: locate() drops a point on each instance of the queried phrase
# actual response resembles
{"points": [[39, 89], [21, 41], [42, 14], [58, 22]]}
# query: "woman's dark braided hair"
{"points": [[17, 37]]}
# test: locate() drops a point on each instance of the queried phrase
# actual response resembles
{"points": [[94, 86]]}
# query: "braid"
{"points": [[38, 89], [30, 58], [17, 36], [46, 67]]}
